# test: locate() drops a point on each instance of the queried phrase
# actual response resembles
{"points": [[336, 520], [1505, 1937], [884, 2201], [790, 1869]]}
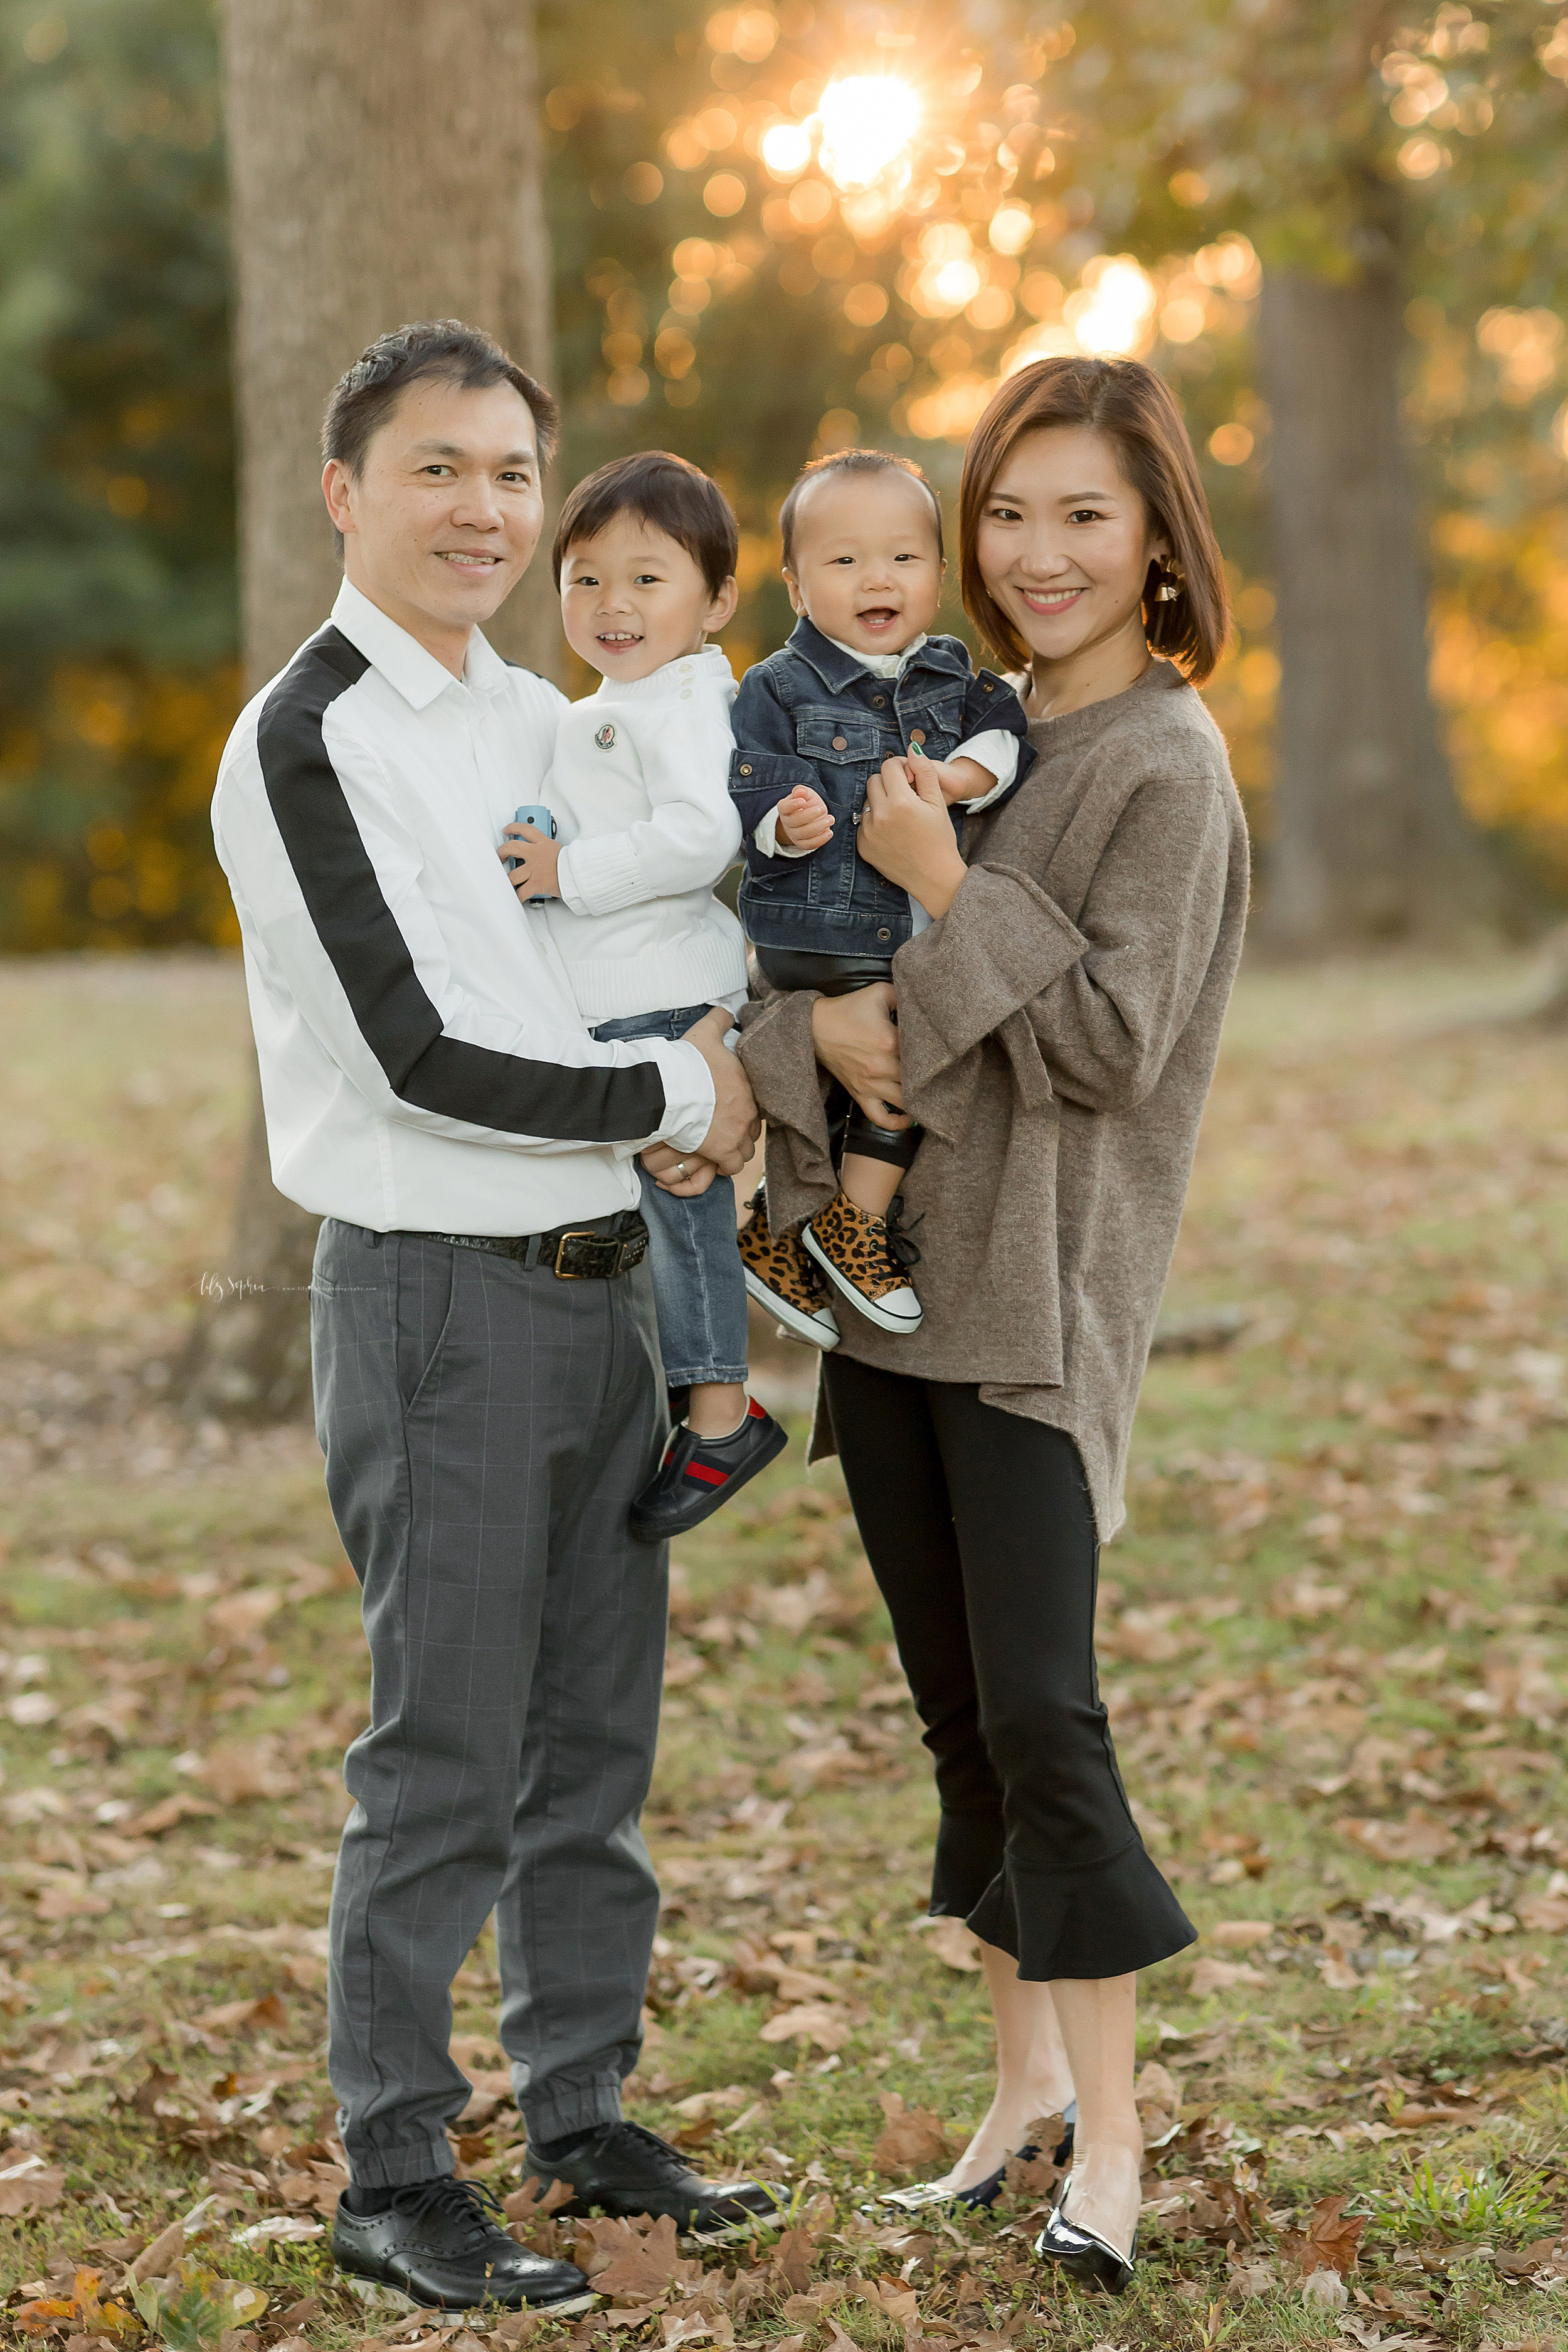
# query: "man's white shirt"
{"points": [[423, 1063]]}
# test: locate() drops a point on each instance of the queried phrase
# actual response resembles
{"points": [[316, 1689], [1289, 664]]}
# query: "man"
{"points": [[486, 1364]]}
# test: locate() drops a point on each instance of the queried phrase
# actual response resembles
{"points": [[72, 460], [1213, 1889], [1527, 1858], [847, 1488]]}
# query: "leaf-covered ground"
{"points": [[1333, 1642]]}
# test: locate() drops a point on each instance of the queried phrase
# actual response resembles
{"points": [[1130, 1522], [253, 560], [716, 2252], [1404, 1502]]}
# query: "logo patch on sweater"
{"points": [[605, 737]]}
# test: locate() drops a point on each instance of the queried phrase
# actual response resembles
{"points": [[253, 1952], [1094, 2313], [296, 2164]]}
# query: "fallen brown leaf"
{"points": [[956, 1945], [28, 2185], [1419, 1837], [911, 2136], [239, 1771], [793, 2257], [1220, 1976], [1240, 1934], [1329, 2241], [1543, 1915], [239, 2016], [814, 2021]]}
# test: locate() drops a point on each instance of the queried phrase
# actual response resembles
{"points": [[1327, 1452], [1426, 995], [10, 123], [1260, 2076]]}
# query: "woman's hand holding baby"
{"points": [[907, 833], [855, 1039], [533, 875], [803, 820]]}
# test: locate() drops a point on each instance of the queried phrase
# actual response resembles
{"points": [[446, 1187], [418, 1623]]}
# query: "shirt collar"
{"points": [[709, 665], [883, 665], [403, 661], [836, 664]]}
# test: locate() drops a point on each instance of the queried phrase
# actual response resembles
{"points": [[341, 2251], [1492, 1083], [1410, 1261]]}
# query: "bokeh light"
{"points": [[869, 125], [786, 150], [1012, 227], [1111, 314]]}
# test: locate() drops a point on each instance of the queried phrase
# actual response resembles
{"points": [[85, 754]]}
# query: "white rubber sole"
{"points": [[812, 1328], [871, 1308]]}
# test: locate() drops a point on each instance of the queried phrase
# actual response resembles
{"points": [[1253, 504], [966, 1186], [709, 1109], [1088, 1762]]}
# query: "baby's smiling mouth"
{"points": [[878, 616], [617, 641]]}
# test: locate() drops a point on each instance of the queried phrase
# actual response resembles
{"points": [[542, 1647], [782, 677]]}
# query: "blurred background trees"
{"points": [[762, 247]]}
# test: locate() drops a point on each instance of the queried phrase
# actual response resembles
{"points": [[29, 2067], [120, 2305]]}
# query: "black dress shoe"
{"points": [[1085, 2257], [985, 2192], [439, 2241], [625, 2169], [698, 1474]]}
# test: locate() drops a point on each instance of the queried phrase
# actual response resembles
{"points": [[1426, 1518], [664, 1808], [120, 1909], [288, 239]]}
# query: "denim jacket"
{"points": [[811, 714]]}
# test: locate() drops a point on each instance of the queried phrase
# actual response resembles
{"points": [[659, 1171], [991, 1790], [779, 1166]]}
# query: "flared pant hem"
{"points": [[1103, 1920]]}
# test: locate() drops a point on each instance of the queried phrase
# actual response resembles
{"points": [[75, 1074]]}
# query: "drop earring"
{"points": [[1169, 588]]}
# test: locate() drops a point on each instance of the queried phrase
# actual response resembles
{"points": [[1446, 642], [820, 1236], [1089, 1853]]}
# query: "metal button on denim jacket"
{"points": [[811, 714]]}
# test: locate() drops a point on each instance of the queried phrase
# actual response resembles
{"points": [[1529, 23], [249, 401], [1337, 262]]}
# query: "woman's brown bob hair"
{"points": [[1134, 408]]}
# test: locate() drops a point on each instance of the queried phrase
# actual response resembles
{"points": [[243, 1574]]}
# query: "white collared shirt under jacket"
{"points": [[423, 1065], [640, 795]]}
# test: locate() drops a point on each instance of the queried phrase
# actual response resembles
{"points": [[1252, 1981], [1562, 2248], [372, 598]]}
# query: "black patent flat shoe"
{"points": [[980, 2194], [1085, 2257], [699, 1475]]}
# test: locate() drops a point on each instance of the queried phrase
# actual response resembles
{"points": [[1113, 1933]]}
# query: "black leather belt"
{"points": [[574, 1253]]}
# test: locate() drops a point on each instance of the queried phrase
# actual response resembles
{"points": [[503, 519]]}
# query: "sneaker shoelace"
{"points": [[477, 2211], [901, 1248]]}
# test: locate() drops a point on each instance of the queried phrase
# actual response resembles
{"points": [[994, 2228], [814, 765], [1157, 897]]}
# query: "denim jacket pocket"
{"points": [[837, 739]]}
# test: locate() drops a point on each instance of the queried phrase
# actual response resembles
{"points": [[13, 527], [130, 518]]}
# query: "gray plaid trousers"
{"points": [[485, 1429]]}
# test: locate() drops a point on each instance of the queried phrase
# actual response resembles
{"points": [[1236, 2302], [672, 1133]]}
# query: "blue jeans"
{"points": [[699, 1286]]}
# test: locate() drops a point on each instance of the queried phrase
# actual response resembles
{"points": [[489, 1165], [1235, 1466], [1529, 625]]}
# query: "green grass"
{"points": [[1332, 1645]]}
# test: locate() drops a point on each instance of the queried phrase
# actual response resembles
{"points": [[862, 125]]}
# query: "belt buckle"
{"points": [[580, 1257]]}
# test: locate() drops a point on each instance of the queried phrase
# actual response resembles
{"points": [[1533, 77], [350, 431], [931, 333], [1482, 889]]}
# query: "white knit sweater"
{"points": [[640, 791]]}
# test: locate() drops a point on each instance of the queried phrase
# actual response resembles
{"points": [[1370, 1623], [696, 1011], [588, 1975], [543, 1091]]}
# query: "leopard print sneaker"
{"points": [[783, 1281], [865, 1257]]}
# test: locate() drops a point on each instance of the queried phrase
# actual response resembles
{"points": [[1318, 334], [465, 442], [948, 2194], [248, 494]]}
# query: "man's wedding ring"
{"points": [[680, 1167]]}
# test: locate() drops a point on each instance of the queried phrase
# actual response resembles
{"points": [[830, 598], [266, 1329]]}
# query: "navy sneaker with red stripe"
{"points": [[698, 1474]]}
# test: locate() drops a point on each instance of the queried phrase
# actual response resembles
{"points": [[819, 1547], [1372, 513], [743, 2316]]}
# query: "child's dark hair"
{"points": [[675, 498], [850, 461]]}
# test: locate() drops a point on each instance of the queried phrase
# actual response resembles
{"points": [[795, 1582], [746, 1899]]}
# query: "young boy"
{"points": [[645, 559], [860, 681]]}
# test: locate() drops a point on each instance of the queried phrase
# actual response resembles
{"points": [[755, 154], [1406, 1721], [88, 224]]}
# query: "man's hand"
{"points": [[686, 1172], [533, 875], [804, 819], [737, 1122], [907, 833], [857, 1039]]}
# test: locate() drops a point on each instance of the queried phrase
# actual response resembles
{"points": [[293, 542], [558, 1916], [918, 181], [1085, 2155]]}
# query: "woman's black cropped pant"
{"points": [[980, 1532]]}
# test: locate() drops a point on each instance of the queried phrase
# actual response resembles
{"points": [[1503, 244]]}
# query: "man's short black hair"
{"points": [[664, 491], [850, 461], [363, 397]]}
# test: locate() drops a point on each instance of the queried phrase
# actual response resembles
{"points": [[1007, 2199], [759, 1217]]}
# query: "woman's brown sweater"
{"points": [[1058, 1029]]}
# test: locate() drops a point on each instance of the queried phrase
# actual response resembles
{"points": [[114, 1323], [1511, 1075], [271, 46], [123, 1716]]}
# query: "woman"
{"points": [[1057, 1030]]}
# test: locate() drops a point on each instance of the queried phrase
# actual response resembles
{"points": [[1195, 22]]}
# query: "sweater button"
{"points": [[686, 694]]}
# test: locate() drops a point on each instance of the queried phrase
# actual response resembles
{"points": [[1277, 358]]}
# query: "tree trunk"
{"points": [[385, 165], [1370, 841]]}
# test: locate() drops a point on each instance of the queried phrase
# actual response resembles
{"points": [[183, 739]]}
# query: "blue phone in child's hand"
{"points": [[539, 817]]}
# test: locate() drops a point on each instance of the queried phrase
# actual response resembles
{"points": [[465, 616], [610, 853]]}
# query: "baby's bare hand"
{"points": [[956, 780], [805, 820]]}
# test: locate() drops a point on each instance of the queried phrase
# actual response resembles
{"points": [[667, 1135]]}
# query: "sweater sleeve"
{"points": [[1105, 996], [693, 831]]}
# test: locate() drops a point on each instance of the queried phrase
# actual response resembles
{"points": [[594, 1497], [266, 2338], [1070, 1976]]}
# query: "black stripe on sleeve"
{"points": [[370, 955]]}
